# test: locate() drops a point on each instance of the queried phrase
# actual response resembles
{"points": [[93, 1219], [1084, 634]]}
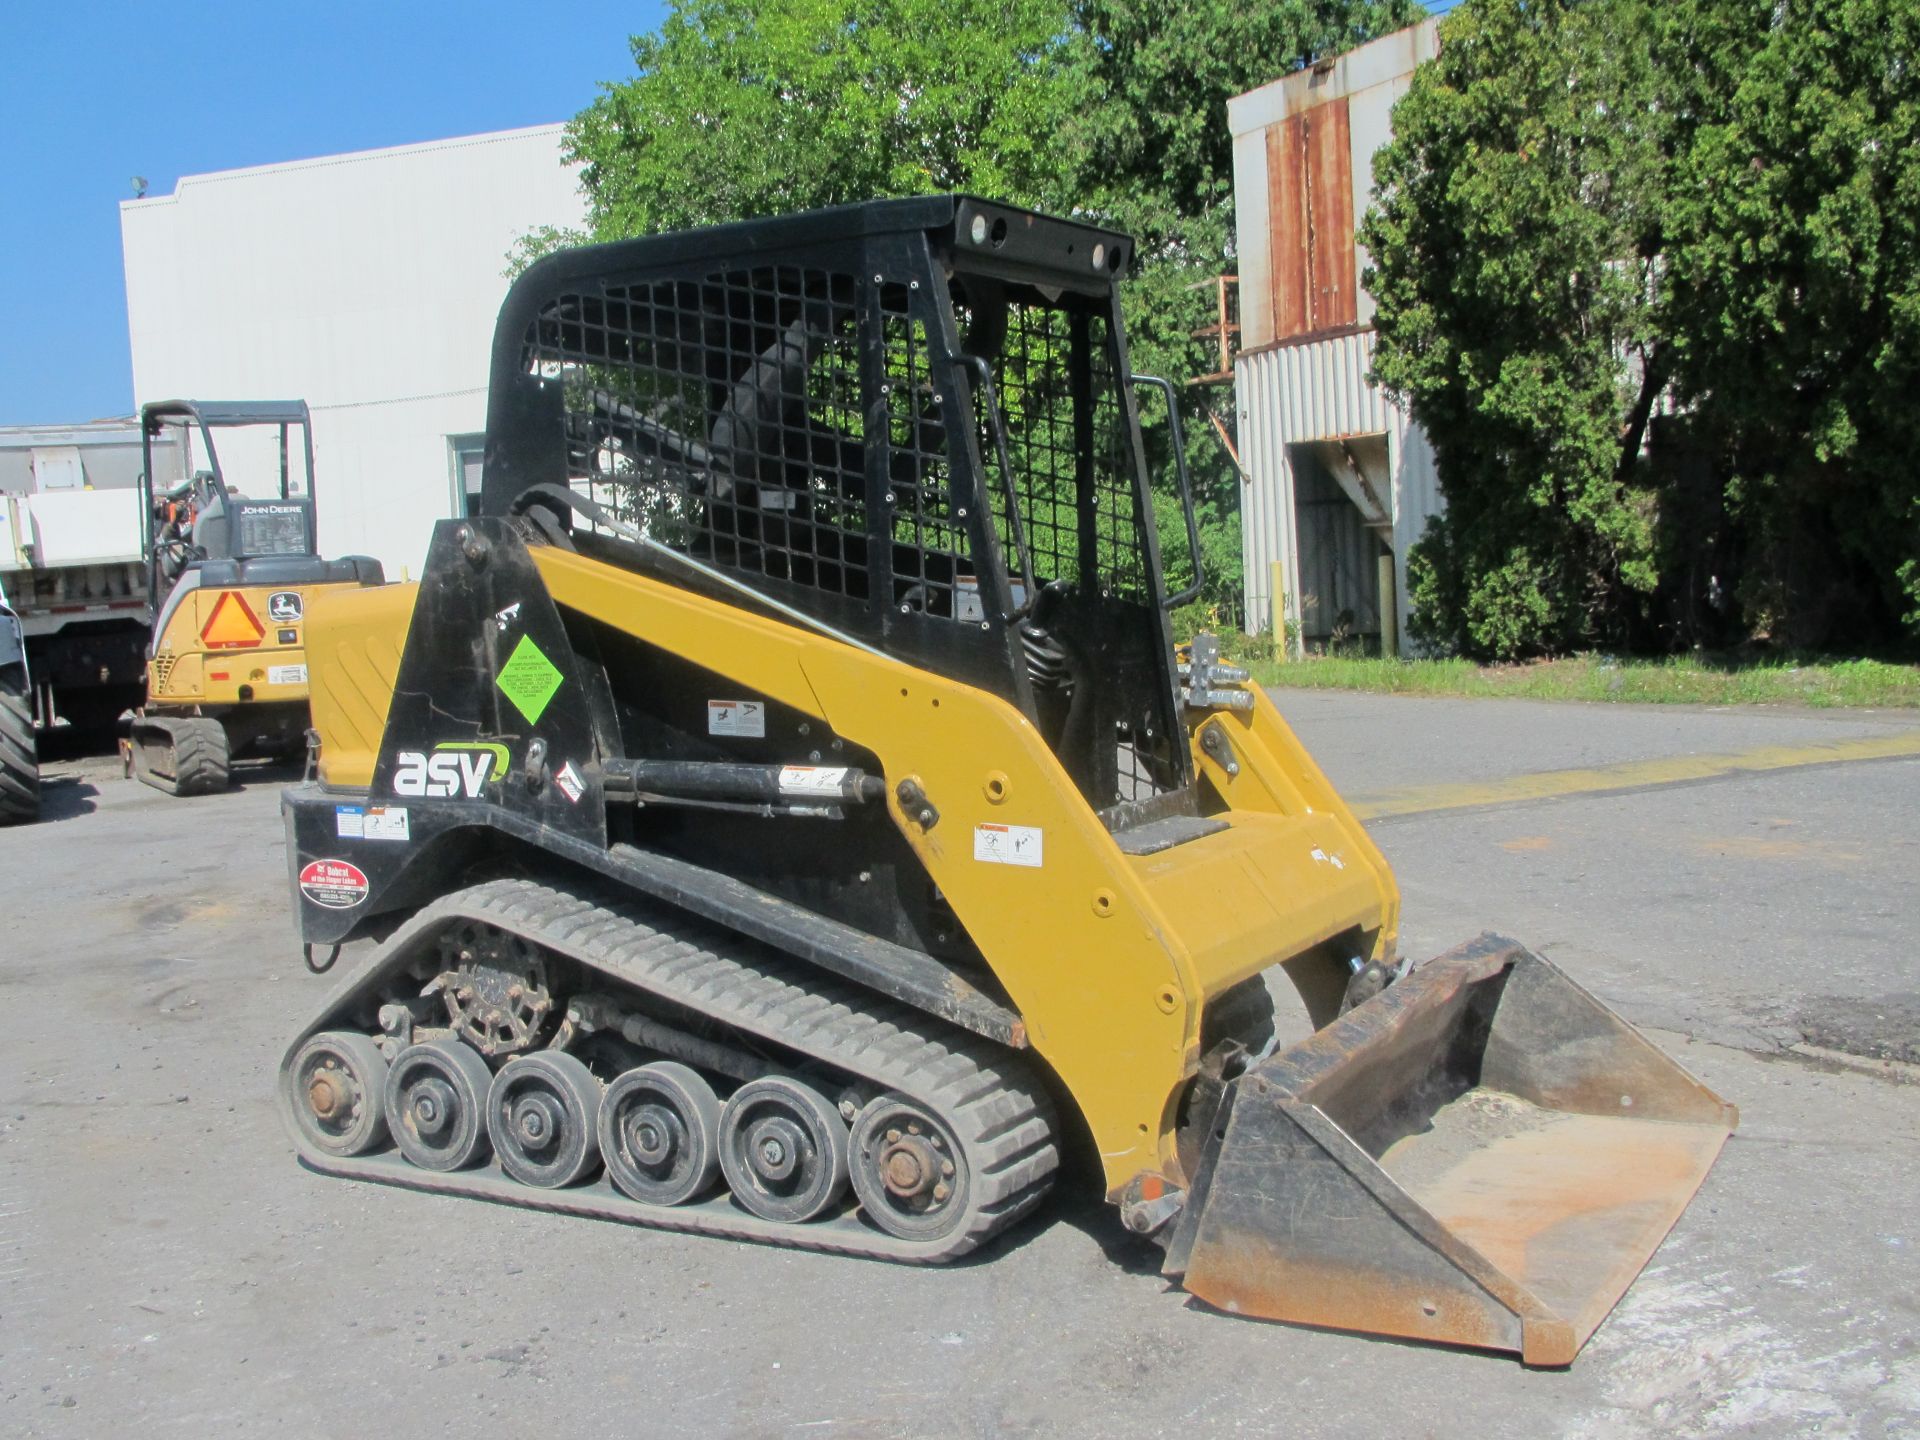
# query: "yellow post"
{"points": [[1389, 610], [1277, 607]]}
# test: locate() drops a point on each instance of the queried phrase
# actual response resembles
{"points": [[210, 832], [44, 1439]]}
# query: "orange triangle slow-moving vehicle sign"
{"points": [[232, 625]]}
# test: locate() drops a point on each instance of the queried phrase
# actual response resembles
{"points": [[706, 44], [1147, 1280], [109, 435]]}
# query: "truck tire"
{"points": [[19, 759]]}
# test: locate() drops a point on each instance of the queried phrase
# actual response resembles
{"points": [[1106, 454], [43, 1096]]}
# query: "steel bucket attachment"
{"points": [[1483, 1154]]}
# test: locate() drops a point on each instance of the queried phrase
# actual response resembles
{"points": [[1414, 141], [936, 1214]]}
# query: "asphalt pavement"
{"points": [[167, 1268]]}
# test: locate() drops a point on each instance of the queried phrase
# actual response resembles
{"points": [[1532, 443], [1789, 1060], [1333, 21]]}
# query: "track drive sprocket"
{"points": [[495, 987]]}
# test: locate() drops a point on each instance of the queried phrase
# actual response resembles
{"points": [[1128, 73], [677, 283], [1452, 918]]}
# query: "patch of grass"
{"points": [[1684, 680]]}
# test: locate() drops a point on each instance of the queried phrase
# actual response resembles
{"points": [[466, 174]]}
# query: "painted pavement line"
{"points": [[1629, 775]]}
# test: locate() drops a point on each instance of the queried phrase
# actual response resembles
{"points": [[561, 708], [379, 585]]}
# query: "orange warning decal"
{"points": [[232, 625]]}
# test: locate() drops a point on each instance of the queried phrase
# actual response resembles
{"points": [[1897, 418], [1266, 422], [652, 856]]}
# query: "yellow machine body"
{"points": [[229, 578], [357, 636], [220, 647], [1110, 959]]}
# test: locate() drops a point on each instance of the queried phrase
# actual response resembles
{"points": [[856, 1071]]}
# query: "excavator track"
{"points": [[181, 755], [985, 1096]]}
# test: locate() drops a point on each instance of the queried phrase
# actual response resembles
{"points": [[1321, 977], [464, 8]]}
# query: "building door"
{"points": [[1342, 526]]}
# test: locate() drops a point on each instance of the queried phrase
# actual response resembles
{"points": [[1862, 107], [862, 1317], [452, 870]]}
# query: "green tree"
{"points": [[744, 108], [1515, 265], [1590, 204], [1792, 246], [1153, 155]]}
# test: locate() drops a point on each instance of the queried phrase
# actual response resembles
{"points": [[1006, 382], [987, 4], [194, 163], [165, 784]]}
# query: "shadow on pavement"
{"points": [[65, 797]]}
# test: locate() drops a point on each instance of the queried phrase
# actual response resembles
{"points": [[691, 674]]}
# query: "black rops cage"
{"points": [[910, 420]]}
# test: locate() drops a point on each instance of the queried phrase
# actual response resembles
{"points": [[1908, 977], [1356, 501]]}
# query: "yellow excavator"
{"points": [[786, 816], [229, 581]]}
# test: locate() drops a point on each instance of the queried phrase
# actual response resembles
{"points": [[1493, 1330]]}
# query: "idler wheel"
{"points": [[660, 1133], [909, 1172], [783, 1147], [335, 1089], [543, 1116], [436, 1096]]}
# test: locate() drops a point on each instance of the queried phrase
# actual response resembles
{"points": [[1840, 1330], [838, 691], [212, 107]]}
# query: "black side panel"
{"points": [[351, 881], [491, 704]]}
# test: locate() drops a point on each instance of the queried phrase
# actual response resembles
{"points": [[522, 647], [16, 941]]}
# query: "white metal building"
{"points": [[365, 284], [1338, 476]]}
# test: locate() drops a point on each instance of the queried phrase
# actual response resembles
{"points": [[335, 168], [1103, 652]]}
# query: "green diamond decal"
{"points": [[529, 679]]}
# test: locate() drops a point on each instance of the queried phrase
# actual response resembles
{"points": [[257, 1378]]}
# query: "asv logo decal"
{"points": [[454, 768]]}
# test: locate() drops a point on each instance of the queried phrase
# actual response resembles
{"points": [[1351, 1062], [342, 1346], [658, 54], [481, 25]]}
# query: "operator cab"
{"points": [[207, 531], [912, 421]]}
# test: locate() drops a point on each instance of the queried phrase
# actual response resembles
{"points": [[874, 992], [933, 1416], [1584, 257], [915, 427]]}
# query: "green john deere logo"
{"points": [[529, 679]]}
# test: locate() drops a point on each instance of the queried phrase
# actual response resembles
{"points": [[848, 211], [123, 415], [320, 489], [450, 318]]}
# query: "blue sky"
{"points": [[97, 91]]}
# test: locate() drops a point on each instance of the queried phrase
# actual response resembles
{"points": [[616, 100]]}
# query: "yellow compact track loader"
{"points": [[228, 579], [786, 816]]}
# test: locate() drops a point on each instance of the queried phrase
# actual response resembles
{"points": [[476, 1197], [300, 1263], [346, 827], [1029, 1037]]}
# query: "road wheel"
{"points": [[908, 1170], [659, 1127], [436, 1104], [335, 1090], [783, 1148], [543, 1116], [19, 758]]}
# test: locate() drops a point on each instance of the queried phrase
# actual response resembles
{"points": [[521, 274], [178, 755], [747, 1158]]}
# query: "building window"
{"points": [[464, 454]]}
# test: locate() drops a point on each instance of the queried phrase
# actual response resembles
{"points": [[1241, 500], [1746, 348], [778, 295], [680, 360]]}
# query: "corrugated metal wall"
{"points": [[1295, 394]]}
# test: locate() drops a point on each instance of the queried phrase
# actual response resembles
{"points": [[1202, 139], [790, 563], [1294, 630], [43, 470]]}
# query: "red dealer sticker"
{"points": [[334, 884]]}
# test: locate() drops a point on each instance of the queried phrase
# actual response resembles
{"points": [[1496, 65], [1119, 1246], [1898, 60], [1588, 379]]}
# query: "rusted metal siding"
{"points": [[1310, 208], [1330, 215], [1291, 396], [1289, 212], [1286, 239]]}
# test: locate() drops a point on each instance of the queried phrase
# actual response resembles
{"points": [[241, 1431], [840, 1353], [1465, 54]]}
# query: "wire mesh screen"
{"points": [[794, 423], [1066, 429], [931, 570], [1075, 489], [725, 416]]}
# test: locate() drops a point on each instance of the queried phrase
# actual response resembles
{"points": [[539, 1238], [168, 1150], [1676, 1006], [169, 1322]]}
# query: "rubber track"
{"points": [[198, 749], [1000, 1115], [19, 760], [200, 760]]}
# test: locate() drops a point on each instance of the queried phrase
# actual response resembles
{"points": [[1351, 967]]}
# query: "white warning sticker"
{"points": [[386, 822], [569, 783], [1007, 844], [370, 822], [737, 717], [812, 779], [286, 674]]}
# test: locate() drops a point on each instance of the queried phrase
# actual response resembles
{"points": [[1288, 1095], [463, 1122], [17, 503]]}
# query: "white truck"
{"points": [[74, 570]]}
